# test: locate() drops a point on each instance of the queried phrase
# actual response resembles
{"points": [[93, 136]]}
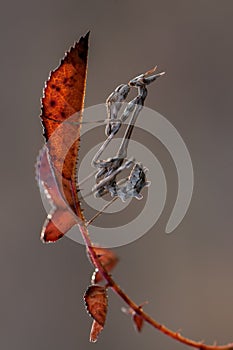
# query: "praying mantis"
{"points": [[108, 169]]}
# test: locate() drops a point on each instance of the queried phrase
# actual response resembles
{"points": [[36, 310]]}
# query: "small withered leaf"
{"points": [[96, 301], [137, 319], [96, 328], [59, 220], [138, 322], [108, 260]]}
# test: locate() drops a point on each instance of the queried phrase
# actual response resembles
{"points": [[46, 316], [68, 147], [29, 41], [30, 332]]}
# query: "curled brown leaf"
{"points": [[96, 301]]}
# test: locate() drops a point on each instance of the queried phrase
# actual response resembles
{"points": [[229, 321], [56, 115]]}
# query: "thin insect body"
{"points": [[110, 168]]}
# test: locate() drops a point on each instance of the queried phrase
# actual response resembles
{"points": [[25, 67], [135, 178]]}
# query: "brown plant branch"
{"points": [[137, 308]]}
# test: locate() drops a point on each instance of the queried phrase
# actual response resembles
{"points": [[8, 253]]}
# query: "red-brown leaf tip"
{"points": [[96, 328]]}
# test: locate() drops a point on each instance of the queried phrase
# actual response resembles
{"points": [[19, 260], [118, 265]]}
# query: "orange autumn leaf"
{"points": [[96, 301], [108, 260], [64, 97]]}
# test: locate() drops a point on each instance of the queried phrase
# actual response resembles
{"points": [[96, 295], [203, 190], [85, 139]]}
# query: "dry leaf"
{"points": [[138, 321], [62, 217], [63, 97], [108, 260], [96, 301]]}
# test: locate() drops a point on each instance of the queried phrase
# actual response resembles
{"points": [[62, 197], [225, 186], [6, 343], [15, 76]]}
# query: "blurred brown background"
{"points": [[187, 276]]}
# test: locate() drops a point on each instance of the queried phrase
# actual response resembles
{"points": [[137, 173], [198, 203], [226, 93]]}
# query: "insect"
{"points": [[109, 169]]}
